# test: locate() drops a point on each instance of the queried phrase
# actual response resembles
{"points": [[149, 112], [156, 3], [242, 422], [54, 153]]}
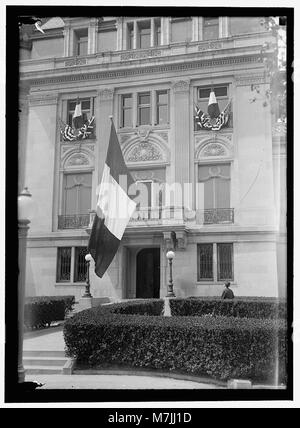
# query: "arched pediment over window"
{"points": [[209, 148], [77, 159], [151, 150]]}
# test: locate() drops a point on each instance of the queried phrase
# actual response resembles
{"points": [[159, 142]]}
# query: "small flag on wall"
{"points": [[78, 121], [114, 207]]}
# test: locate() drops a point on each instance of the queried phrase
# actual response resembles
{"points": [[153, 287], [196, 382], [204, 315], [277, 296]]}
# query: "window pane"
{"points": [[63, 272], [220, 91], [225, 268], [144, 99], [126, 100], [205, 261], [162, 97], [144, 115], [162, 114], [127, 118], [80, 265], [222, 193], [82, 46]]}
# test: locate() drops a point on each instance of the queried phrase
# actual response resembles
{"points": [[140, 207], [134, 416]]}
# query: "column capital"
{"points": [[106, 94], [181, 85]]}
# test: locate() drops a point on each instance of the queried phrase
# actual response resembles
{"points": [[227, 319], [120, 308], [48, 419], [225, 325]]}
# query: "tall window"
{"points": [[162, 115], [126, 110], [63, 271], [130, 35], [215, 262], [210, 28], [157, 33], [81, 42], [144, 109], [77, 193], [216, 180], [205, 262], [225, 268], [144, 35], [68, 257]]}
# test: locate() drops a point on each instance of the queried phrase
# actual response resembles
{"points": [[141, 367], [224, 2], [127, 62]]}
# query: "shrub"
{"points": [[242, 307], [138, 307], [40, 311], [221, 347]]}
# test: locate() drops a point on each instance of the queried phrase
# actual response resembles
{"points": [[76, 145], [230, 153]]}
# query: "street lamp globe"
{"points": [[170, 255], [88, 257], [25, 205]]}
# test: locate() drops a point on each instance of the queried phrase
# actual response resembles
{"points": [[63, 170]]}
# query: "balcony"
{"points": [[215, 216], [75, 221], [154, 216]]}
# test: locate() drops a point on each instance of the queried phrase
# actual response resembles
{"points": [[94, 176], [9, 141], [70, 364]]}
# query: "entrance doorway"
{"points": [[148, 273]]}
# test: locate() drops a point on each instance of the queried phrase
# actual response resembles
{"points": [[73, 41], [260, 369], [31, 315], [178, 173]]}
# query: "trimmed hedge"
{"points": [[221, 347], [138, 307], [40, 311], [242, 307]]}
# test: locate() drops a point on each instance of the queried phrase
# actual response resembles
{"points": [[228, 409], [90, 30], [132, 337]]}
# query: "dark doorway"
{"points": [[148, 273]]}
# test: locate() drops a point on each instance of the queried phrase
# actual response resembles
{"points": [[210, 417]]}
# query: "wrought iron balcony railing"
{"points": [[75, 221], [215, 216]]}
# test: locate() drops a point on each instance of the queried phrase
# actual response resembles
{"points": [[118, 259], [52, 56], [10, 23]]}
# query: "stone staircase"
{"points": [[46, 362]]}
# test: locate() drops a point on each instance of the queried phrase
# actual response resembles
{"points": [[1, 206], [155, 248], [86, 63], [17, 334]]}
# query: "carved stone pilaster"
{"points": [[168, 241], [106, 94], [181, 86], [181, 240]]}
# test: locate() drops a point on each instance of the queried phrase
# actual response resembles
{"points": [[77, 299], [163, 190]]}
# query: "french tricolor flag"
{"points": [[78, 116], [114, 207], [213, 106]]}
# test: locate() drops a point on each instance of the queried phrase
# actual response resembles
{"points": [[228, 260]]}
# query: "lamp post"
{"points": [[87, 292], [170, 256], [25, 210]]}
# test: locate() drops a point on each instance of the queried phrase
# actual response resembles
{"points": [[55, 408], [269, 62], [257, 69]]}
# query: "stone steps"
{"points": [[46, 362]]}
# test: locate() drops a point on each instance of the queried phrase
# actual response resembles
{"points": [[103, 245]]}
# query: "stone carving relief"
{"points": [[214, 149], [142, 175], [76, 61], [181, 86], [77, 159], [144, 151]]}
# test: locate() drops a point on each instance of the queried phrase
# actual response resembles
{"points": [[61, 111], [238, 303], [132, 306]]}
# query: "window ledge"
{"points": [[214, 283], [81, 284]]}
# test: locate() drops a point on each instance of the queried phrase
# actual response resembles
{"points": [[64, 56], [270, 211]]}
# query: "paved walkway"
{"points": [[52, 340]]}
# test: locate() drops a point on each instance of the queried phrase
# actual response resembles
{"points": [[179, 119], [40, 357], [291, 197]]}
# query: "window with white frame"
{"points": [[215, 262], [144, 108], [71, 264], [143, 34]]}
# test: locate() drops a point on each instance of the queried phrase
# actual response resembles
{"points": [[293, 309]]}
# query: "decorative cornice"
{"points": [[181, 86], [116, 74], [106, 94], [42, 99]]}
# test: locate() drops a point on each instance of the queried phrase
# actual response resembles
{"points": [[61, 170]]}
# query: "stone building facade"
{"points": [[149, 73]]}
